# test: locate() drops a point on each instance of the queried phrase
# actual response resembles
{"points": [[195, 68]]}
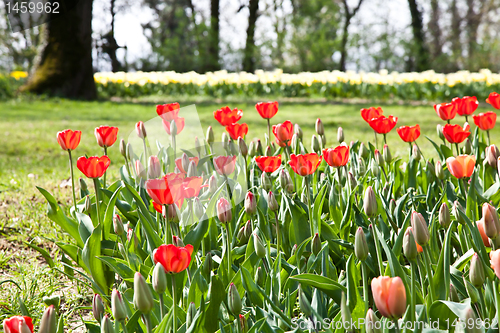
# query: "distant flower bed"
{"points": [[330, 84]]}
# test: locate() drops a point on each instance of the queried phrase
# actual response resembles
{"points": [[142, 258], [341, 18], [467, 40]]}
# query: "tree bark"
{"points": [[65, 65], [473, 20], [435, 29], [249, 57], [213, 47], [345, 32], [421, 52], [456, 45]]}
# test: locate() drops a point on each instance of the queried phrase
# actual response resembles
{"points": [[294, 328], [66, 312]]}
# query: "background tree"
{"points": [[419, 55], [348, 15], [249, 53]]}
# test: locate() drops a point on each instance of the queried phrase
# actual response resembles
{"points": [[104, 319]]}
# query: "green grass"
{"points": [[30, 156]]}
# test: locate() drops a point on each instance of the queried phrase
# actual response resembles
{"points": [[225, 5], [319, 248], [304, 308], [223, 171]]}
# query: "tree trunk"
{"points": [[213, 45], [456, 45], [249, 58], [473, 20], [435, 29], [65, 65], [343, 43], [421, 52]]}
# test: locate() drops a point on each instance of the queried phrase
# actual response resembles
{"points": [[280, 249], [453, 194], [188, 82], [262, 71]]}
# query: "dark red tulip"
{"points": [[485, 121], [494, 100], [283, 133], [94, 166], [455, 133], [106, 135], [268, 163], [409, 133], [168, 112], [304, 165], [446, 111], [338, 156], [225, 116], [371, 112], [465, 106], [383, 124], [267, 110], [237, 130], [68, 139]]}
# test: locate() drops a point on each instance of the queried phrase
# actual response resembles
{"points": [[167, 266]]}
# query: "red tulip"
{"points": [[446, 111], [267, 110], [168, 112], [68, 139], [224, 165], [485, 121], [166, 190], [179, 122], [225, 116], [455, 133], [495, 262], [370, 113], [337, 157], [409, 133], [173, 259], [268, 163], [461, 166], [18, 324], [304, 165], [465, 106], [192, 186], [178, 163], [106, 135], [389, 295], [237, 130], [283, 133], [480, 227], [494, 100], [94, 166], [382, 124]]}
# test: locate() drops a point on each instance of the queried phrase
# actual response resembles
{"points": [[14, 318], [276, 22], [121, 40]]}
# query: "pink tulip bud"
{"points": [[495, 262], [420, 229], [250, 203], [491, 222], [224, 212], [154, 167], [140, 129]]}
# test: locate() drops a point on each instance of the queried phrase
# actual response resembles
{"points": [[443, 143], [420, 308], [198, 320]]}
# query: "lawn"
{"points": [[30, 156]]}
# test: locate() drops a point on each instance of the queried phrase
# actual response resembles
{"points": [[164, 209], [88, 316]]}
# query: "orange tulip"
{"points": [[480, 227], [465, 106], [495, 262], [94, 166], [409, 133], [370, 113], [494, 100], [304, 165], [168, 112], [224, 165], [461, 166], [383, 124], [485, 121], [178, 163], [267, 110], [225, 116], [237, 130], [455, 133], [179, 123], [283, 133], [68, 139], [268, 163], [166, 190], [337, 157], [389, 295], [446, 111], [106, 135], [173, 259]]}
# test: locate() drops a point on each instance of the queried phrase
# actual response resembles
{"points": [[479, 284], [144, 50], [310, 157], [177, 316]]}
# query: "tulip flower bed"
{"points": [[275, 235]]}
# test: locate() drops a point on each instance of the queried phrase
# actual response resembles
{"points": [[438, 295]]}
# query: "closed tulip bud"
{"points": [[370, 205], [323, 141], [83, 185], [243, 324], [198, 208], [140, 129], [123, 148], [130, 152], [304, 304], [258, 147], [208, 265], [315, 146], [250, 203], [48, 324], [212, 184], [298, 131], [340, 135], [190, 314], [361, 167], [416, 153], [468, 147], [248, 229], [444, 215], [316, 244], [210, 135], [385, 190], [492, 154], [453, 294], [375, 169], [118, 225], [272, 203], [118, 307], [154, 167], [409, 245], [191, 170], [173, 214], [392, 206], [232, 148], [295, 142], [360, 245], [420, 229], [439, 130], [476, 272], [456, 209], [122, 250], [243, 147], [259, 277], [197, 145], [251, 149], [234, 300], [373, 324], [106, 325], [224, 212], [173, 128], [379, 158], [185, 161], [268, 151], [285, 181], [177, 241], [352, 180], [143, 299], [97, 307], [241, 236], [345, 311], [260, 249], [471, 324], [387, 154], [491, 221], [88, 204], [363, 151], [439, 170], [225, 141], [265, 181], [471, 291], [319, 127]]}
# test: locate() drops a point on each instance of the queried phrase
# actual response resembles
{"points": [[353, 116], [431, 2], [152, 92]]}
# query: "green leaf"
{"points": [[446, 312], [318, 209], [442, 275], [216, 297], [108, 216], [331, 288], [91, 252], [44, 254], [120, 267]]}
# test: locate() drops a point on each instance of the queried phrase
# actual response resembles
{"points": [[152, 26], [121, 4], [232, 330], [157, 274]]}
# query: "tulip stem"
{"points": [[377, 247], [385, 139], [162, 313], [488, 135], [396, 325], [228, 241], [430, 274], [173, 145], [174, 311], [147, 321], [308, 189], [458, 150], [228, 188], [413, 293], [145, 157], [376, 141], [72, 179], [420, 150], [366, 294], [168, 237], [277, 234], [128, 167], [124, 327], [96, 187], [104, 178], [269, 131]]}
